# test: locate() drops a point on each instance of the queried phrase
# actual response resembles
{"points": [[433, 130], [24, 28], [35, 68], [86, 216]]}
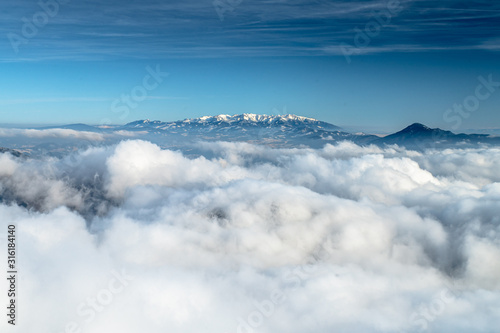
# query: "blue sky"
{"points": [[377, 64]]}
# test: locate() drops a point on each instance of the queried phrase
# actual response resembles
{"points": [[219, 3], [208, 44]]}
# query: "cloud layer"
{"points": [[245, 238]]}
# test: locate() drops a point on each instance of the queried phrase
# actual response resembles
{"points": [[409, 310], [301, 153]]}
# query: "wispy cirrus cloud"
{"points": [[254, 28]]}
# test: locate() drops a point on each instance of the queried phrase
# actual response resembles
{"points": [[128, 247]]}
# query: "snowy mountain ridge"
{"points": [[243, 120], [250, 117]]}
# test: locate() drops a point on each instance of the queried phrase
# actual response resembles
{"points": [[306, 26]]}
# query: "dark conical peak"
{"points": [[416, 128]]}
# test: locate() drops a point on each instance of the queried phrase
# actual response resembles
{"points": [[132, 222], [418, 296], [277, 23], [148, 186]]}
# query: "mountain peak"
{"points": [[416, 128]]}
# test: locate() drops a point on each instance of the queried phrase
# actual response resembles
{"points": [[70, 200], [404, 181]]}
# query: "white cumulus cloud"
{"points": [[245, 238]]}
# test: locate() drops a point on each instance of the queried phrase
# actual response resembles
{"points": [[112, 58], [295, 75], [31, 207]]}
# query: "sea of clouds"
{"points": [[245, 238]]}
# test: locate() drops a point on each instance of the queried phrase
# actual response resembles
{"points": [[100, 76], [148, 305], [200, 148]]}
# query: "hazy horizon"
{"points": [[383, 130]]}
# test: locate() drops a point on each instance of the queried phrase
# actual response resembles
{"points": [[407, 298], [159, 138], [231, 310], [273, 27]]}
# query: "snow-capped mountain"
{"points": [[277, 130], [245, 120]]}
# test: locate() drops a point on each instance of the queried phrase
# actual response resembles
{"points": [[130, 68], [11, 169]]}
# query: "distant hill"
{"points": [[420, 136], [75, 127]]}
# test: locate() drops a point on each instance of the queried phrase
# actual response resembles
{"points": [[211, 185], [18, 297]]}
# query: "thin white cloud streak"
{"points": [[207, 237], [51, 133], [69, 134]]}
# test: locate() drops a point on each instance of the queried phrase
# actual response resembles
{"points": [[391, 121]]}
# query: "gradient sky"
{"points": [[268, 57]]}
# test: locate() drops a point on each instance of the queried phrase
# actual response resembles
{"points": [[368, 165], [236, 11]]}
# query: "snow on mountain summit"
{"points": [[239, 120], [143, 123], [250, 117]]}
